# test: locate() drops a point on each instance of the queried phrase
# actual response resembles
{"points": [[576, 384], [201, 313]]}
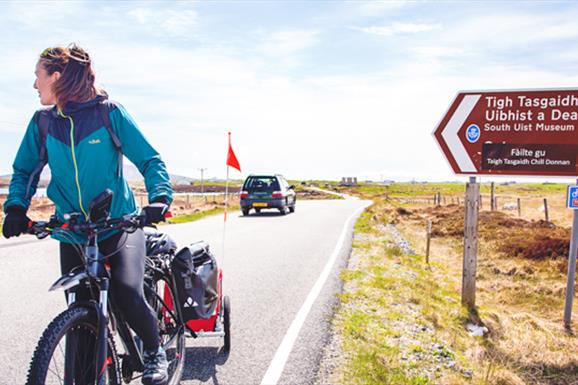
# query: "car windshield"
{"points": [[262, 183]]}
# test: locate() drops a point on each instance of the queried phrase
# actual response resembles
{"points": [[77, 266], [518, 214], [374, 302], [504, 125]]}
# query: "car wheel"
{"points": [[283, 210], [245, 211], [292, 208]]}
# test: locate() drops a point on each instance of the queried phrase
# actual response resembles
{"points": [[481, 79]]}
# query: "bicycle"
{"points": [[79, 346]]}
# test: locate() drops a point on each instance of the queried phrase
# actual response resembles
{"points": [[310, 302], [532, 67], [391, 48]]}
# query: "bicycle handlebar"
{"points": [[127, 223]]}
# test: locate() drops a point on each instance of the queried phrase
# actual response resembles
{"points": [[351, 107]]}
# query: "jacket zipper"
{"points": [[74, 162]]}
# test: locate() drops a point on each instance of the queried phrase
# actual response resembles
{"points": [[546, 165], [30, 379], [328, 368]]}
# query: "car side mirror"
{"points": [[292, 187]]}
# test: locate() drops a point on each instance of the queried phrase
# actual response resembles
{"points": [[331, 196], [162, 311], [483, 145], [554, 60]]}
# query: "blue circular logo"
{"points": [[473, 133]]}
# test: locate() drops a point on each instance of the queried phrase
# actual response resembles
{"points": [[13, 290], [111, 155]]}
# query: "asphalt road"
{"points": [[271, 264]]}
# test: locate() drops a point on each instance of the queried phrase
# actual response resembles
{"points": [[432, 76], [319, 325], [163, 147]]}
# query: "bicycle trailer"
{"points": [[198, 283]]}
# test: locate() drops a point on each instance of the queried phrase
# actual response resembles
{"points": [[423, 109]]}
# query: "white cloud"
{"points": [[508, 29], [39, 14], [438, 51], [178, 23], [375, 7], [288, 42], [399, 28], [141, 15]]}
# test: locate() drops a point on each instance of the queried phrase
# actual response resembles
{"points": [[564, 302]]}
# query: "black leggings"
{"points": [[126, 284]]}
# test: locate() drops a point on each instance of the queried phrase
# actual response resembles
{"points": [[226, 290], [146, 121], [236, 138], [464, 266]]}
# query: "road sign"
{"points": [[572, 202], [523, 132]]}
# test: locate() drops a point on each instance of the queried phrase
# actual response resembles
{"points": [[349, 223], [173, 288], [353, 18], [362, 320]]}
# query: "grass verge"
{"points": [[202, 214], [400, 321]]}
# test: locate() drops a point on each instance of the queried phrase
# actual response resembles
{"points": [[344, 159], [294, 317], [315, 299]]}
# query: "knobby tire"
{"points": [[78, 318], [172, 334]]}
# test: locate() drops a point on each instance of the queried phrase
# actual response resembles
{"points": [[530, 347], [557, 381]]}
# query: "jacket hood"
{"points": [[72, 107]]}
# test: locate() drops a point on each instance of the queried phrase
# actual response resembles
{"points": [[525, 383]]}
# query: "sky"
{"points": [[308, 89]]}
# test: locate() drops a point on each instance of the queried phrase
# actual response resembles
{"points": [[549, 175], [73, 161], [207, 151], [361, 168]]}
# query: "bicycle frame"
{"points": [[95, 272]]}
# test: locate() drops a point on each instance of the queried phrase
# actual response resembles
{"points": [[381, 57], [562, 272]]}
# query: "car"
{"points": [[267, 192]]}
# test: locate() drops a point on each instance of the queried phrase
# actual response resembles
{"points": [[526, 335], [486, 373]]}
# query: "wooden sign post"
{"points": [[470, 243], [573, 204], [492, 197]]}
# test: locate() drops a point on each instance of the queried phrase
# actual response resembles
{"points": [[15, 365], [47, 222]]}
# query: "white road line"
{"points": [[280, 359]]}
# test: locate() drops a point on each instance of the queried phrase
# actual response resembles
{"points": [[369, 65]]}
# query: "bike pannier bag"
{"points": [[196, 273]]}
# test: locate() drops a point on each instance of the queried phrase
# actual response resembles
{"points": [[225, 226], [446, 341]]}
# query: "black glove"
{"points": [[155, 212], [16, 221]]}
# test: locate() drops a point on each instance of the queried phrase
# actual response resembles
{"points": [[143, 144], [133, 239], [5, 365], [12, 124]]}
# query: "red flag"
{"points": [[231, 158]]}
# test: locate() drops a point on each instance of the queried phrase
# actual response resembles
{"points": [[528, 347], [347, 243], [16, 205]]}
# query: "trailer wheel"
{"points": [[227, 323]]}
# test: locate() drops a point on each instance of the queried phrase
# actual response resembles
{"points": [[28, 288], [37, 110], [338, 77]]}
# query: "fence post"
{"points": [[519, 208], [428, 230], [470, 243], [492, 195], [546, 210]]}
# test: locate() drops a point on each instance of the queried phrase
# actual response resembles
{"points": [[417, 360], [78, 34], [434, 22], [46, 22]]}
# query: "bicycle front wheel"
{"points": [[65, 354], [161, 297]]}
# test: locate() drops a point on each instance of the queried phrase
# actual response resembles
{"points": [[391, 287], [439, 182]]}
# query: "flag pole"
{"points": [[227, 194], [226, 210], [233, 162]]}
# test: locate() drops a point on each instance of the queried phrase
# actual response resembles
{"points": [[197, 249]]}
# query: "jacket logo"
{"points": [[94, 141]]}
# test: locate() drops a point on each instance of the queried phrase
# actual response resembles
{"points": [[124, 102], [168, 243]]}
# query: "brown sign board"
{"points": [[520, 132]]}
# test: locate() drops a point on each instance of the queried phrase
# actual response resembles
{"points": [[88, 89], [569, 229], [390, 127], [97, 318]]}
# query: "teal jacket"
{"points": [[84, 162]]}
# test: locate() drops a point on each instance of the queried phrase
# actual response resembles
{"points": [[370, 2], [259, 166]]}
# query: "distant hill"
{"points": [[131, 173]]}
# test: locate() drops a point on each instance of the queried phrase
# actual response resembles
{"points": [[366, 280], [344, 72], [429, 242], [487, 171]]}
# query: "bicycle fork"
{"points": [[95, 269], [102, 346]]}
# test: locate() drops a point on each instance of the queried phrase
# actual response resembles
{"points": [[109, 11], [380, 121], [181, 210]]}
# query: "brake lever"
{"points": [[38, 229]]}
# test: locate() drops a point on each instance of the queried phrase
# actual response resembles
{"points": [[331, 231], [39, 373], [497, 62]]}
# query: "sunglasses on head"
{"points": [[49, 53], [53, 54]]}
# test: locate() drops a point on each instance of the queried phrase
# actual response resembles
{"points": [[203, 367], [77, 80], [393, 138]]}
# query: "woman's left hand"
{"points": [[155, 212]]}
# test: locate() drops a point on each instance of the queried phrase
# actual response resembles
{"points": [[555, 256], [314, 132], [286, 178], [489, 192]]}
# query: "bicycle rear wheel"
{"points": [[68, 346], [162, 298]]}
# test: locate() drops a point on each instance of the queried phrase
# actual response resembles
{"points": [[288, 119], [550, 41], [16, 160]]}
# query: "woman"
{"points": [[77, 135]]}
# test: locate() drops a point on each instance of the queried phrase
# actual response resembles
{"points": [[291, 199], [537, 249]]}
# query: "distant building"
{"points": [[349, 181]]}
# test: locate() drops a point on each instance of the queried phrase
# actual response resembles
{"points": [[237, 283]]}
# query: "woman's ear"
{"points": [[55, 76]]}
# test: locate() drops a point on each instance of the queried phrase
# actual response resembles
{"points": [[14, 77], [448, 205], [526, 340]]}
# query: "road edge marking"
{"points": [[277, 365]]}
